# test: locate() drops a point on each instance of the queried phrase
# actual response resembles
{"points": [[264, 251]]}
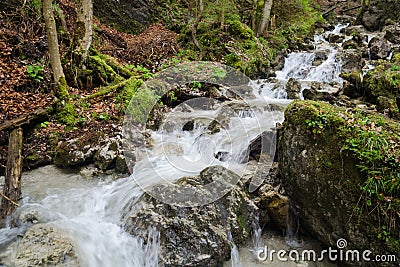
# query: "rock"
{"points": [[387, 106], [352, 61], [293, 88], [350, 44], [74, 152], [264, 144], [320, 57], [45, 245], [120, 165], [335, 38], [323, 182], [352, 84], [130, 16], [276, 204], [196, 236], [89, 171], [392, 33], [370, 21], [104, 159], [379, 48], [321, 92]]}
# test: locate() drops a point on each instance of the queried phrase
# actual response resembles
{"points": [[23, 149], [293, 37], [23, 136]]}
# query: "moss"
{"points": [[124, 97], [67, 115], [384, 80], [62, 92], [141, 105], [370, 144]]}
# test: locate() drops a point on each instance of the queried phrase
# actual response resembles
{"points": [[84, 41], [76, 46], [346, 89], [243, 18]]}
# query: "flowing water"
{"points": [[90, 211]]}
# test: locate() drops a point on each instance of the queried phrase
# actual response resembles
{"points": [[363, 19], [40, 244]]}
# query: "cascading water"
{"points": [[90, 212]]}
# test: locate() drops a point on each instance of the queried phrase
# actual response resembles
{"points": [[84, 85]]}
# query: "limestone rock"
{"points": [[293, 88], [196, 236], [276, 204], [45, 245], [380, 48]]}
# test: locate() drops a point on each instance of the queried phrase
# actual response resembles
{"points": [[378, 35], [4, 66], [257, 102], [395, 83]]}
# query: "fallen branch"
{"points": [[349, 9], [111, 88], [30, 118], [328, 11]]}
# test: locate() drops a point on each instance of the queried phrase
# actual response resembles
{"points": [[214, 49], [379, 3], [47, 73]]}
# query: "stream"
{"points": [[89, 210]]}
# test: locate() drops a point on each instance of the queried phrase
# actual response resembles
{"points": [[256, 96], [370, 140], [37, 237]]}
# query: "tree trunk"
{"points": [[195, 25], [263, 26], [52, 40], [85, 27], [12, 184]]}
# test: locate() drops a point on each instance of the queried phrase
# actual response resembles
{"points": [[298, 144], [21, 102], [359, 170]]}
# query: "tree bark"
{"points": [[12, 185], [52, 40], [32, 117], [263, 26], [85, 27], [195, 25]]}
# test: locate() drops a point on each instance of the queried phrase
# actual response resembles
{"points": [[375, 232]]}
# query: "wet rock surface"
{"points": [[196, 236], [45, 245]]}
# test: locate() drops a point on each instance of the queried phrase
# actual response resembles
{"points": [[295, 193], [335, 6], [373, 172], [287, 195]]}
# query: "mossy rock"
{"points": [[329, 160]]}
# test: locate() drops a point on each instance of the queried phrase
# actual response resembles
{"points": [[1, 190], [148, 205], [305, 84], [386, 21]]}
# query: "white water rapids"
{"points": [[90, 211]]}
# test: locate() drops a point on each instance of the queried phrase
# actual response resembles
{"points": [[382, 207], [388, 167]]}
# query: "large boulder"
{"points": [[321, 159], [195, 236], [45, 245]]}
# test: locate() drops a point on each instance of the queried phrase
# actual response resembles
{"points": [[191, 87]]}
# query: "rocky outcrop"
{"points": [[101, 150], [45, 245], [323, 179], [380, 48], [392, 33], [195, 236], [379, 13]]}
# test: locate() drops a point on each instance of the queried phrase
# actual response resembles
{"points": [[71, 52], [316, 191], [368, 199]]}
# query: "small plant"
{"points": [[317, 125], [195, 85], [394, 68], [34, 72], [44, 124]]}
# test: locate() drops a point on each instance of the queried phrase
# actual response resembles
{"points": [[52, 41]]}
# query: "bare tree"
{"points": [[85, 26], [263, 26], [55, 59]]}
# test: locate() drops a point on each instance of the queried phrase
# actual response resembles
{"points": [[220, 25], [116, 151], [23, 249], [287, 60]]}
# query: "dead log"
{"points": [[32, 117], [12, 184]]}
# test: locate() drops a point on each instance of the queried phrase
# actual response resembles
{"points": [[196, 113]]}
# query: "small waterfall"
{"points": [[292, 228], [235, 259]]}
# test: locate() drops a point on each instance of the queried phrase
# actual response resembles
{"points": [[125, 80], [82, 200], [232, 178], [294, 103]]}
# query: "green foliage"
{"points": [[317, 125], [34, 72], [44, 124]]}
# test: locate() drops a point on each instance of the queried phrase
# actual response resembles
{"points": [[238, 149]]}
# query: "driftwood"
{"points": [[32, 117], [12, 184]]}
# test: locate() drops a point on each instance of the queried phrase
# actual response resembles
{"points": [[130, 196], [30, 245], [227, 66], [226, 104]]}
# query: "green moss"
{"points": [[141, 104], [67, 115], [384, 80], [62, 92], [372, 143], [125, 95]]}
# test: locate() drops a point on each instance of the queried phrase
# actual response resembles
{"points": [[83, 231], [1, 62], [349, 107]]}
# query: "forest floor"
{"points": [[26, 77]]}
